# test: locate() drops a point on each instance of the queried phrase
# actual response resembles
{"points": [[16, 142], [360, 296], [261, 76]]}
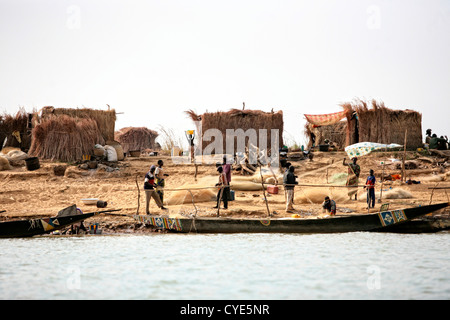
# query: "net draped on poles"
{"points": [[363, 148]]}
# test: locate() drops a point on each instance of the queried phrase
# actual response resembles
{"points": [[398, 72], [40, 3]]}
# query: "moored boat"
{"points": [[33, 227], [330, 224]]}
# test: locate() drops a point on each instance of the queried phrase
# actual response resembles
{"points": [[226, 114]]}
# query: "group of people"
{"points": [[154, 186], [354, 171], [155, 180], [434, 142]]}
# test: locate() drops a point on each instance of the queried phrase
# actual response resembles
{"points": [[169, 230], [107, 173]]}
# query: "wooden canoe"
{"points": [[33, 227], [330, 224]]}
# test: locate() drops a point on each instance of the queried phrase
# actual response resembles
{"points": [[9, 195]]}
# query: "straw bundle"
{"points": [[136, 138], [240, 119], [65, 138]]}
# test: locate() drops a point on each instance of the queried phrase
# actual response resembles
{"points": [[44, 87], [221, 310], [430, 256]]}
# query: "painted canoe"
{"points": [[330, 224], [33, 227]]}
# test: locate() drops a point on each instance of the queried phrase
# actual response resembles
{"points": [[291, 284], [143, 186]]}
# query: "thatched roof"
{"points": [[136, 138], [240, 119]]}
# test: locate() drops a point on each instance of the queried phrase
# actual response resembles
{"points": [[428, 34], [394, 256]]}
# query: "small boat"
{"points": [[33, 227], [330, 224]]}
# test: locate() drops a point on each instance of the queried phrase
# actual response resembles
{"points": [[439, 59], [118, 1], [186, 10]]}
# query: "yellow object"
{"points": [[190, 132], [296, 215], [16, 134], [86, 157]]}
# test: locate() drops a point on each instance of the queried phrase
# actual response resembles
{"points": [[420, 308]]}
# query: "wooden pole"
{"points": [[264, 190], [381, 190], [139, 196], [404, 156]]}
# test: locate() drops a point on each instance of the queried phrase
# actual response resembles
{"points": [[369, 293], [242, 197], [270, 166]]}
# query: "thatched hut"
{"points": [[235, 119], [382, 125], [16, 129], [68, 134], [137, 139], [105, 119], [65, 138], [369, 122]]}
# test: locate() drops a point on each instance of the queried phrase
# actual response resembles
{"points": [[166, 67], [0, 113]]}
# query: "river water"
{"points": [[227, 266]]}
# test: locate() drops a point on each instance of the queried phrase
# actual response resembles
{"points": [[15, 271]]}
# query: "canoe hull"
{"points": [[332, 224], [33, 227]]}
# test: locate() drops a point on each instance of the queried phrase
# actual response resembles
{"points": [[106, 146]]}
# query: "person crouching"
{"points": [[329, 205], [149, 188]]}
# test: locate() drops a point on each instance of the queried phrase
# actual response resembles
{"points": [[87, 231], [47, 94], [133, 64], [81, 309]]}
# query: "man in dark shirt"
{"points": [[289, 181], [370, 185], [329, 205]]}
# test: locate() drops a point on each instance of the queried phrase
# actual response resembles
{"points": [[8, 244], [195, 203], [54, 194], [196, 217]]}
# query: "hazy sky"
{"points": [[152, 60]]}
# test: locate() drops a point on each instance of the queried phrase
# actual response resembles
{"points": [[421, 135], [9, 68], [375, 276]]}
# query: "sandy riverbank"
{"points": [[42, 193]]}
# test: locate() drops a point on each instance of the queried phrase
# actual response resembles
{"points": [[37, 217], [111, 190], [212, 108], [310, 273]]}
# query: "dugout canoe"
{"points": [[40, 226], [330, 224]]}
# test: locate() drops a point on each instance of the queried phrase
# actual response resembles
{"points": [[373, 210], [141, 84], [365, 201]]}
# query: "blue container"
{"points": [[231, 195]]}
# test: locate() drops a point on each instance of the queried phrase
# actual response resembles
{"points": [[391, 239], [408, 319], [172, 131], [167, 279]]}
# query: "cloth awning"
{"points": [[325, 119], [363, 148]]}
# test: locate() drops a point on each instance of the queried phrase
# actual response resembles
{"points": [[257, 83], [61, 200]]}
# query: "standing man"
{"points": [[370, 185], [160, 183], [289, 182], [353, 177], [227, 171], [222, 185]]}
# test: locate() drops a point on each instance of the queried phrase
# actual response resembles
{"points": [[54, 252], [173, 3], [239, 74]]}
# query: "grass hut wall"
{"points": [[16, 129], [136, 138], [105, 119], [239, 119], [65, 138], [373, 122]]}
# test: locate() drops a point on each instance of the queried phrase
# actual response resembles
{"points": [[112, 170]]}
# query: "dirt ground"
{"points": [[42, 193]]}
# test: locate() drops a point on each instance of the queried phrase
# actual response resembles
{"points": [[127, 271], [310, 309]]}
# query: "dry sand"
{"points": [[41, 193]]}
